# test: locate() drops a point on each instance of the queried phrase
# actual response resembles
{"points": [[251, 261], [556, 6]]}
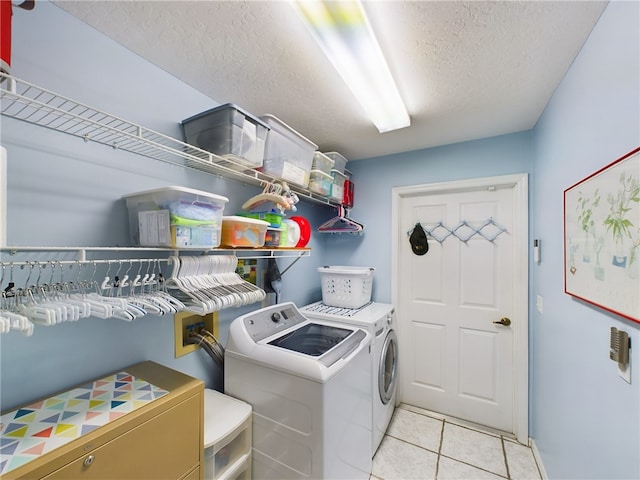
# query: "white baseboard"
{"points": [[536, 455]]}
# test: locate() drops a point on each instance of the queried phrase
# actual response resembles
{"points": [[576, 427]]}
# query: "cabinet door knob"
{"points": [[89, 460]]}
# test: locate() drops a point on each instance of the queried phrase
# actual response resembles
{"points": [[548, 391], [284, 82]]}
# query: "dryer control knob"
{"points": [[275, 317]]}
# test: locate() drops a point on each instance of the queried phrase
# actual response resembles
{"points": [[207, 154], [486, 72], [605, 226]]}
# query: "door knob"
{"points": [[503, 321]]}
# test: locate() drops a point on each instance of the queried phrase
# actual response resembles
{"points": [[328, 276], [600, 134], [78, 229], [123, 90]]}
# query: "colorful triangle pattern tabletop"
{"points": [[43, 426]]}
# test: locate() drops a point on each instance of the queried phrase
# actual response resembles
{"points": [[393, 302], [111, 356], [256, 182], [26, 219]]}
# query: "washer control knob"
{"points": [[275, 317]]}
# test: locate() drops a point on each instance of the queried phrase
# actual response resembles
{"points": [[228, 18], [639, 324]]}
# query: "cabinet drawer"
{"points": [[165, 447]]}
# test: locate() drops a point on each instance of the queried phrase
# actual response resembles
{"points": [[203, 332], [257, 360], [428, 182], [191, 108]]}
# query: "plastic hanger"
{"points": [[341, 224], [272, 193]]}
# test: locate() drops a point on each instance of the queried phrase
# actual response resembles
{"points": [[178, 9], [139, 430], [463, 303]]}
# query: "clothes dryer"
{"points": [[379, 320], [309, 385]]}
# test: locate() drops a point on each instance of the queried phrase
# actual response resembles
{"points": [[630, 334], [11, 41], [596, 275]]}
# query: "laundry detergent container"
{"points": [[230, 132], [175, 217], [288, 155], [346, 287]]}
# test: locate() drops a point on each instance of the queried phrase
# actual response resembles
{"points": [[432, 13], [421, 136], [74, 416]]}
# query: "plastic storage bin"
{"points": [[320, 182], [274, 218], [346, 287], [227, 437], [322, 162], [273, 237], [337, 185], [230, 132], [288, 155], [243, 232], [175, 217], [339, 162]]}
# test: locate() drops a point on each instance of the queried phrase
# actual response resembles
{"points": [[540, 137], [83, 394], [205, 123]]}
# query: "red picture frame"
{"points": [[602, 237]]}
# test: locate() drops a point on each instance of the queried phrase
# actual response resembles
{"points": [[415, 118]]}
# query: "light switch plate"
{"points": [[539, 303]]}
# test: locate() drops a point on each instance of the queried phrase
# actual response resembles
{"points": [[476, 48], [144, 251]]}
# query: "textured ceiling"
{"points": [[466, 70]]}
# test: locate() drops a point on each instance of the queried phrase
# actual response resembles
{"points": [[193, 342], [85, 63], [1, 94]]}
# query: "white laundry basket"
{"points": [[346, 287]]}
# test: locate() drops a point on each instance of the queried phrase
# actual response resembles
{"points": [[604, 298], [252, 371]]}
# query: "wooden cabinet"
{"points": [[161, 440]]}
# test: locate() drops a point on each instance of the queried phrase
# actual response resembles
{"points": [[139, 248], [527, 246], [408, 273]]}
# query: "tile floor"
{"points": [[419, 445]]}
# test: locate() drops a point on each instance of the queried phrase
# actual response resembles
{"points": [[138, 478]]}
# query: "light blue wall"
{"points": [[65, 192], [585, 419]]}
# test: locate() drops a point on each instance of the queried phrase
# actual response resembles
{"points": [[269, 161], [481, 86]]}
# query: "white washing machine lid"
{"points": [[280, 337], [365, 316]]}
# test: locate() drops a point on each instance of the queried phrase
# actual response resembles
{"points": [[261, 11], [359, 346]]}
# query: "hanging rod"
{"points": [[253, 253], [55, 263]]}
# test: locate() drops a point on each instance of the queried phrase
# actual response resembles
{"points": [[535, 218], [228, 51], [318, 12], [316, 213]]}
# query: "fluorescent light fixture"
{"points": [[342, 30]]}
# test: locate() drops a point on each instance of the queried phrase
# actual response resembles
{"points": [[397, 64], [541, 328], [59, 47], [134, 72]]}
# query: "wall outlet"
{"points": [[539, 303]]}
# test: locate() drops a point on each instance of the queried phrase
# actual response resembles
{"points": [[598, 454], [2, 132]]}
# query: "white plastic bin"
{"points": [[175, 217], [227, 437], [322, 162], [346, 287], [320, 182], [288, 155], [339, 162]]}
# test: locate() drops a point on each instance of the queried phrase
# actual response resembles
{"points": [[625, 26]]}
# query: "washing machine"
{"points": [[379, 320], [309, 383]]}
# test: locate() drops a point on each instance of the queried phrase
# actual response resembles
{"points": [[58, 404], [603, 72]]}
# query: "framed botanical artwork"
{"points": [[602, 237]]}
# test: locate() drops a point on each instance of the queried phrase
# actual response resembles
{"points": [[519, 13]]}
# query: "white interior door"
{"points": [[454, 358]]}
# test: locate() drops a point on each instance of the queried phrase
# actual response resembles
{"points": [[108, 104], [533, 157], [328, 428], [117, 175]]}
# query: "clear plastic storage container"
{"points": [[288, 155], [322, 162], [337, 185], [175, 217], [320, 182], [274, 218], [273, 237], [346, 287], [230, 132], [243, 232], [339, 162]]}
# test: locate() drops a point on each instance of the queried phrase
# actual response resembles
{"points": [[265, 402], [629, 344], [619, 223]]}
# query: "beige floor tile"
{"points": [[449, 469], [398, 460], [415, 428], [474, 448], [522, 464]]}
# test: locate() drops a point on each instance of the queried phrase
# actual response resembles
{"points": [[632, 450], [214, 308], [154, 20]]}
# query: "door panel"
{"points": [[477, 358], [429, 339]]}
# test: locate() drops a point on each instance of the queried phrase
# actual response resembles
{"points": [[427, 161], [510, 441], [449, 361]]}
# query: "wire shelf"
{"points": [[29, 103]]}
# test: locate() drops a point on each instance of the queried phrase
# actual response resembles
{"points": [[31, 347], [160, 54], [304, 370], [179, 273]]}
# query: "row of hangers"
{"points": [[341, 223], [198, 284], [210, 283], [55, 302]]}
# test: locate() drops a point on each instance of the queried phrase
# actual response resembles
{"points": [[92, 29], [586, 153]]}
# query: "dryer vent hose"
{"points": [[209, 343]]}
